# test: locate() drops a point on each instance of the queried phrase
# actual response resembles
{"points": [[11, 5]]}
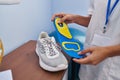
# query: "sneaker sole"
{"points": [[49, 68], [52, 69]]}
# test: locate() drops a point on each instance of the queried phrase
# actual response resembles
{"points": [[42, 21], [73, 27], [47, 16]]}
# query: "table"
{"points": [[24, 64]]}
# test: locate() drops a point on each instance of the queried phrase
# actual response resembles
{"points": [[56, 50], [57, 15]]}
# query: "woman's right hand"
{"points": [[67, 18]]}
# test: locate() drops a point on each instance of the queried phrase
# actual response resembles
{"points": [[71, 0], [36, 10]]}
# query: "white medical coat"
{"points": [[109, 69]]}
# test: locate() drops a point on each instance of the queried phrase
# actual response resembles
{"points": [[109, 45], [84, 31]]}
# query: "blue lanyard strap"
{"points": [[109, 11]]}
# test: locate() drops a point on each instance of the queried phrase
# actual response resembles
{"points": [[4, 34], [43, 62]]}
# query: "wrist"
{"points": [[109, 51], [76, 19], [82, 20], [113, 50]]}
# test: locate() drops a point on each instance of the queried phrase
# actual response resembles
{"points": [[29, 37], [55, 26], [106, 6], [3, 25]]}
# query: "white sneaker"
{"points": [[50, 56]]}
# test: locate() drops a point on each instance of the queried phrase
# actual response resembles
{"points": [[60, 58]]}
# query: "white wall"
{"points": [[71, 6], [23, 22]]}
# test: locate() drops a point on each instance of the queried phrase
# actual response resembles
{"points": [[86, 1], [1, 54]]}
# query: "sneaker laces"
{"points": [[48, 43]]}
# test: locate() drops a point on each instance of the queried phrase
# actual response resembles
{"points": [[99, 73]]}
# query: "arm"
{"points": [[71, 18], [114, 50], [82, 20]]}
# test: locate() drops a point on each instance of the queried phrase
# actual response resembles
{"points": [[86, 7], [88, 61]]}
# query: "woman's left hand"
{"points": [[97, 55]]}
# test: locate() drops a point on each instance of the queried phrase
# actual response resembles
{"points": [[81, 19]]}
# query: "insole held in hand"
{"points": [[69, 45]]}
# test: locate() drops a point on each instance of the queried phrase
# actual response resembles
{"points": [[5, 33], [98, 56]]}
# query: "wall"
{"points": [[71, 6], [23, 22]]}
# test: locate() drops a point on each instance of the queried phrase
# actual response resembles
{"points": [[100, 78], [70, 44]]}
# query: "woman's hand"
{"points": [[97, 55], [67, 18], [71, 18]]}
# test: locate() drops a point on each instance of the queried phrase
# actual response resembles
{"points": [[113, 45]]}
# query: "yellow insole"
{"points": [[63, 29], [71, 43]]}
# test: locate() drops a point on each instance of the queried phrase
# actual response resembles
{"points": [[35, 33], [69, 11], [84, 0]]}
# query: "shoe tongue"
{"points": [[45, 39], [52, 39]]}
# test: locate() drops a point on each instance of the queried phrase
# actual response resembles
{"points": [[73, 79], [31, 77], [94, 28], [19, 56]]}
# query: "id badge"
{"points": [[100, 40]]}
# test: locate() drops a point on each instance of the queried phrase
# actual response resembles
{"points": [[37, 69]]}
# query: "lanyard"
{"points": [[108, 13]]}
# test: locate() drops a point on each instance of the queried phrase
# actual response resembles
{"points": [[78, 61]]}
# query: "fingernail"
{"points": [[74, 59], [79, 52], [59, 21]]}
